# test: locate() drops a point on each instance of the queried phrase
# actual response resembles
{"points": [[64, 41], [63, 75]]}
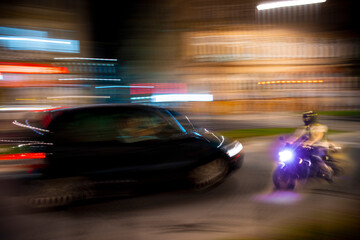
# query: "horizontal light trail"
{"points": [[182, 98], [83, 58], [34, 40], [280, 4], [62, 97], [91, 79], [292, 82], [125, 87]]}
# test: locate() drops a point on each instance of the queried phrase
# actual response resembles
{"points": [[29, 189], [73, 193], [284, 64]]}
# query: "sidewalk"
{"points": [[283, 120]]}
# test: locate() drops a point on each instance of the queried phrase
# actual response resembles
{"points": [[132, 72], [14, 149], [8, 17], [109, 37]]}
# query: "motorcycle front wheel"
{"points": [[283, 180]]}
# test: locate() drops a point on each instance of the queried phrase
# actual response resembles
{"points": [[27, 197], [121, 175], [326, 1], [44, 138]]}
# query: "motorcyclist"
{"points": [[314, 136]]}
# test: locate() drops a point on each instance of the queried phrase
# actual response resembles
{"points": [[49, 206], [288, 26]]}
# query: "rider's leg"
{"points": [[325, 170]]}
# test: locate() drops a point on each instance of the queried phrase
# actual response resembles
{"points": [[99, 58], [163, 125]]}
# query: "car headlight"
{"points": [[233, 148]]}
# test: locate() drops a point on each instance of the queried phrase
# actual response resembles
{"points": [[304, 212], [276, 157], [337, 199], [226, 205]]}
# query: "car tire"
{"points": [[208, 175], [57, 192]]}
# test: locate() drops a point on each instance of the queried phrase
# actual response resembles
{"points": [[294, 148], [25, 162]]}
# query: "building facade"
{"points": [[288, 59]]}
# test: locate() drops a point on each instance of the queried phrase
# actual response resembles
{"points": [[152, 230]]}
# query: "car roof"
{"points": [[48, 116], [103, 106]]}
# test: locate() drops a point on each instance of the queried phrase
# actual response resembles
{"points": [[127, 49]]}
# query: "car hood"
{"points": [[213, 137]]}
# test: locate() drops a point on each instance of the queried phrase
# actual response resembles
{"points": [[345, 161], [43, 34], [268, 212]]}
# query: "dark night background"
{"points": [[112, 22]]}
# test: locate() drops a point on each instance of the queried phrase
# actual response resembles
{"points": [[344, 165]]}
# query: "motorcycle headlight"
{"points": [[233, 148], [286, 155]]}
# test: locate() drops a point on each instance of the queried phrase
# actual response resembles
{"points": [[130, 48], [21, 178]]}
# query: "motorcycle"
{"points": [[296, 163]]}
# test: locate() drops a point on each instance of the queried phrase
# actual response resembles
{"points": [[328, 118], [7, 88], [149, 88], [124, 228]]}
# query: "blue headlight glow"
{"points": [[286, 156]]}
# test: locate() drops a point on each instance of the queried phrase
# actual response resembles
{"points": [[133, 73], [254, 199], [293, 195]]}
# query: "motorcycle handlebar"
{"points": [[297, 145]]}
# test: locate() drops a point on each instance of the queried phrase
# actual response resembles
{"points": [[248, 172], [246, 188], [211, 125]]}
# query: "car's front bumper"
{"points": [[237, 161]]}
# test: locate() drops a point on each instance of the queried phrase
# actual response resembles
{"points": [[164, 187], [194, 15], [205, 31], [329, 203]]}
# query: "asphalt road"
{"points": [[244, 206]]}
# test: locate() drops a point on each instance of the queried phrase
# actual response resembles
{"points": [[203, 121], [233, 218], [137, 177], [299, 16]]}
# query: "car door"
{"points": [[123, 143], [81, 140], [163, 145], [145, 143]]}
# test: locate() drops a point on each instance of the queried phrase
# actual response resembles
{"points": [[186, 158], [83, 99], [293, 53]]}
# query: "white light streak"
{"points": [[28, 126], [33, 40], [29, 144], [280, 4], [222, 141], [25, 142], [139, 98], [24, 108], [182, 98], [83, 58], [90, 79]]}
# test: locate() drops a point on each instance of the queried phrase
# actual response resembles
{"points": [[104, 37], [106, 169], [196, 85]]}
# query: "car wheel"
{"points": [[57, 192], [209, 175]]}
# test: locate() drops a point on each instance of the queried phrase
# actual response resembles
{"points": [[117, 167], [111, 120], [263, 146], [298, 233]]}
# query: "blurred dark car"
{"points": [[81, 152]]}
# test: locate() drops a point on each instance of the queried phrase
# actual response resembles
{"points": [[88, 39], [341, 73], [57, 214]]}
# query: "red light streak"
{"points": [[20, 156]]}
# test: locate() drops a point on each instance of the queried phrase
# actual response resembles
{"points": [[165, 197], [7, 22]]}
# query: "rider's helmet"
{"points": [[309, 117]]}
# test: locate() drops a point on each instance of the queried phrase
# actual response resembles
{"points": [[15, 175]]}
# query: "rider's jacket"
{"points": [[308, 130]]}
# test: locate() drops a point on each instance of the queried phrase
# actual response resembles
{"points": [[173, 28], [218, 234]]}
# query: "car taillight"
{"points": [[27, 162], [21, 156]]}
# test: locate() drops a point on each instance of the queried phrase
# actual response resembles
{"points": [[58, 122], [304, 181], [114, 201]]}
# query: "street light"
{"points": [[279, 4]]}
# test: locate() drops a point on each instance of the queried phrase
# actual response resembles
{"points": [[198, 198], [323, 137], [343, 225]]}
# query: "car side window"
{"points": [[142, 126], [86, 127]]}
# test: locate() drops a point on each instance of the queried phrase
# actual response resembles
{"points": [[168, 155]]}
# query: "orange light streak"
{"points": [[28, 68], [292, 82]]}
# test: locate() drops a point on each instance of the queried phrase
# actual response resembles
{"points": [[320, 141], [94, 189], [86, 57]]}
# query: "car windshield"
{"points": [[179, 120]]}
